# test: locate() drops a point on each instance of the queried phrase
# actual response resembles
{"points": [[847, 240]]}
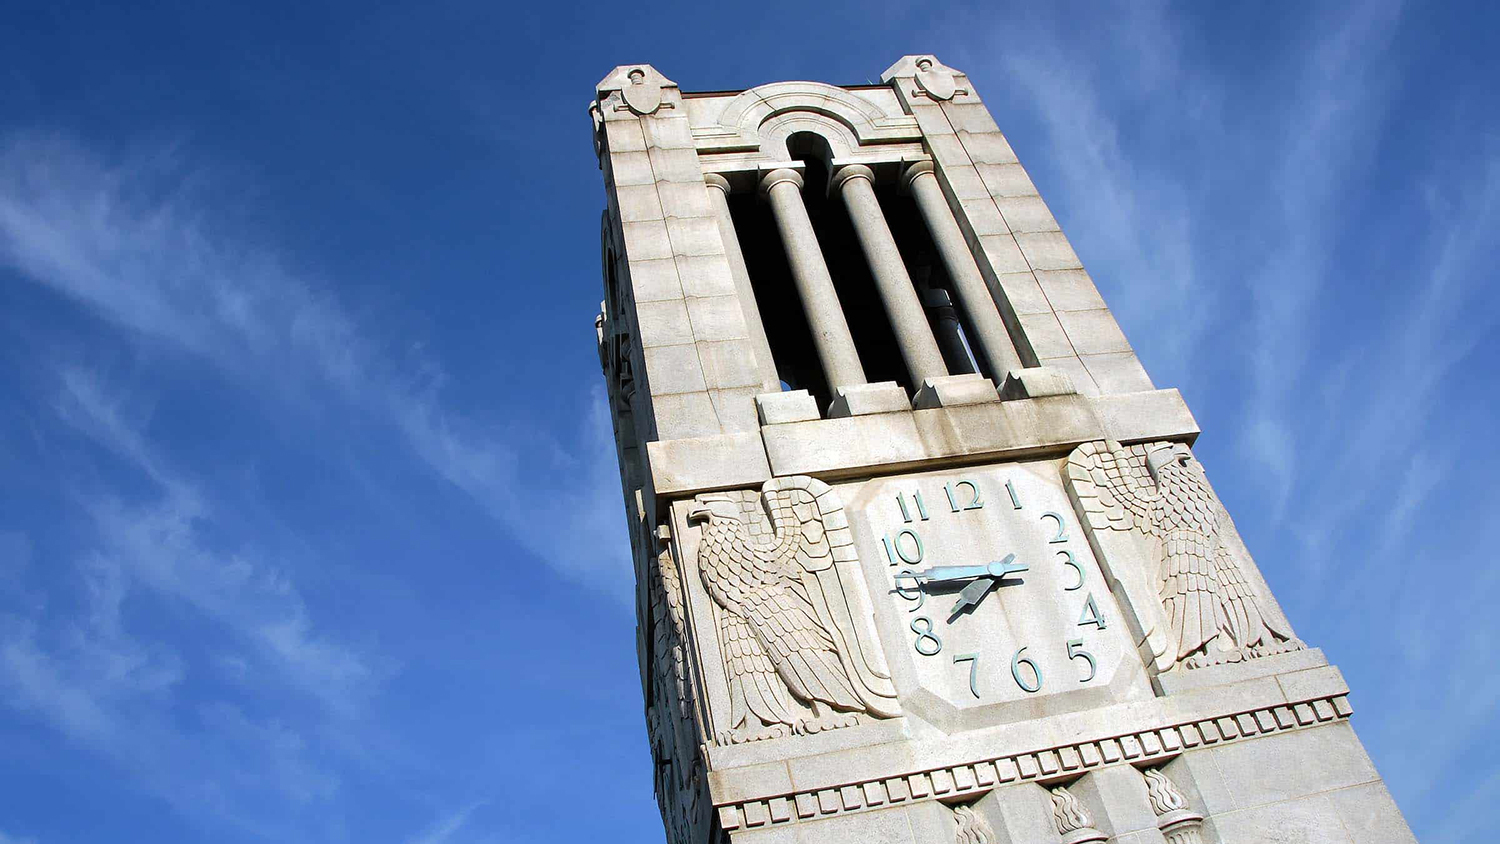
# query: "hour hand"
{"points": [[971, 596]]}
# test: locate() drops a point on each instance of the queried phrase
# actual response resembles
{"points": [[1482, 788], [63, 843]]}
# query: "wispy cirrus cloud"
{"points": [[446, 826], [142, 243], [158, 543], [90, 662], [1340, 97]]}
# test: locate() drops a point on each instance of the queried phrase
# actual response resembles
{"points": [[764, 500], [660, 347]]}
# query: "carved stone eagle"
{"points": [[781, 565], [1159, 491]]}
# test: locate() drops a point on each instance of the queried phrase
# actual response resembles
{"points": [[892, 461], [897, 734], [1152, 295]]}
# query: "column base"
{"points": [[1036, 382], [954, 390], [787, 406], [864, 399]]}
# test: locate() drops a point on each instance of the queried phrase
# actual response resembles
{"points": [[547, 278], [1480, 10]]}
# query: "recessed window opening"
{"points": [[949, 325], [870, 326], [787, 331]]}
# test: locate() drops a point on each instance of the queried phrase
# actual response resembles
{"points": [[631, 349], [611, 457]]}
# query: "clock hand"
{"points": [[943, 574], [1001, 568], [972, 595]]}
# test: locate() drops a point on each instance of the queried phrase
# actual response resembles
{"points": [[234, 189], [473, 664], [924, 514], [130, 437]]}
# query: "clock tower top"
{"points": [[922, 553]]}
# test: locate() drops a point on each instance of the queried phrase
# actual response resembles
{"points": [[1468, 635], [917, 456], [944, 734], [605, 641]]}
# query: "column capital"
{"points": [[915, 169], [850, 171], [714, 180], [776, 177]]}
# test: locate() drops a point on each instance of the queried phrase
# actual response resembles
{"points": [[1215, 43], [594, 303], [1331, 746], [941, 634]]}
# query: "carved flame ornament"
{"points": [[779, 565], [1159, 492], [972, 827], [1177, 821], [1074, 823]]}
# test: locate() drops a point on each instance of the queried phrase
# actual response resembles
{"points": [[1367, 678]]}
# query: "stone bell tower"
{"points": [[923, 554]]}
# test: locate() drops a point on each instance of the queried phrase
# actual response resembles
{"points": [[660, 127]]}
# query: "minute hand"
{"points": [[943, 574]]}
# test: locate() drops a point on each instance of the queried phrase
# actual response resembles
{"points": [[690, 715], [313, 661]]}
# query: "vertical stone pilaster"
{"points": [[1047, 299], [702, 365], [718, 196]]}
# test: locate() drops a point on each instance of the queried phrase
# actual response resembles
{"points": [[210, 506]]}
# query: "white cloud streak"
{"points": [[142, 246], [139, 244], [444, 829]]}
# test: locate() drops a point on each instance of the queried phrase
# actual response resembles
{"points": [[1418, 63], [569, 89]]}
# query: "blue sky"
{"points": [[311, 529]]}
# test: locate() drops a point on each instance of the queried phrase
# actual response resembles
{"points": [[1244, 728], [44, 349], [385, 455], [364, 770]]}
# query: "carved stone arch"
{"points": [[743, 123], [775, 132]]}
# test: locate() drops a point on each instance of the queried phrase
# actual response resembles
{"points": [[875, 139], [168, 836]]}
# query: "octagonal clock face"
{"points": [[987, 593]]}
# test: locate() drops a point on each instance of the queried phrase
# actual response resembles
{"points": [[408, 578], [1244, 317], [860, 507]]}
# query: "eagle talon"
{"points": [[745, 735], [825, 723]]}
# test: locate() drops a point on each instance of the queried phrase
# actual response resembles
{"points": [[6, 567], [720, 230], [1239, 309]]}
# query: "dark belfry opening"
{"points": [[869, 325], [787, 328], [928, 274], [787, 331]]}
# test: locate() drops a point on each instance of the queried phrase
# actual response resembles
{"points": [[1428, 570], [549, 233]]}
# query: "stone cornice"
{"points": [[1057, 762]]}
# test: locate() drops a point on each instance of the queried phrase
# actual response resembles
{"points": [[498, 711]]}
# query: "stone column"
{"points": [[718, 198], [855, 183], [949, 338], [814, 285], [993, 341]]}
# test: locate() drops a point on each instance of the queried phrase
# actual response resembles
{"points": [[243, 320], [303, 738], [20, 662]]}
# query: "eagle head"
{"points": [[711, 506], [1167, 454]]}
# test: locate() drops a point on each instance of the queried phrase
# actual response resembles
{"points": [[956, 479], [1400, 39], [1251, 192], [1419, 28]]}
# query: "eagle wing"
{"points": [[805, 656], [1113, 486], [822, 567], [1252, 626], [749, 579], [1113, 491], [1192, 594], [753, 686]]}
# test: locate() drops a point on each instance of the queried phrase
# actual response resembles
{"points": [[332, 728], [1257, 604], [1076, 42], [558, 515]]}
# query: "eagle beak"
{"points": [[702, 509]]}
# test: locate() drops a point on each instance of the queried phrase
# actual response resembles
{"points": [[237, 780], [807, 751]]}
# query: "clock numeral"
{"points": [[1062, 530], [1015, 501], [1076, 651], [973, 660], [1015, 671], [953, 500], [905, 513], [907, 592], [895, 549], [934, 644], [1091, 614], [1069, 561]]}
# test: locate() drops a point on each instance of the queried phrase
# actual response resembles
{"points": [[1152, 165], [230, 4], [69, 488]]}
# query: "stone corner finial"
{"points": [[640, 87], [933, 78]]}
